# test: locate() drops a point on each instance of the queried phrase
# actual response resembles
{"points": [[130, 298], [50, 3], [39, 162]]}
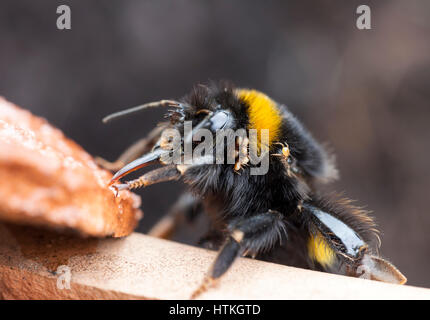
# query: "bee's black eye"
{"points": [[220, 120]]}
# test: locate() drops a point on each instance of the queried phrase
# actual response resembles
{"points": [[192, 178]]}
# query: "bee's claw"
{"points": [[118, 187], [141, 162]]}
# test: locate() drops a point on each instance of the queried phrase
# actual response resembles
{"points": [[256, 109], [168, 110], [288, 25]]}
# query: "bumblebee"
{"points": [[279, 216]]}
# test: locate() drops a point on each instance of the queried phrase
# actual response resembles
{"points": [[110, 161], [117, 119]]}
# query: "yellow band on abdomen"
{"points": [[319, 250], [263, 113]]}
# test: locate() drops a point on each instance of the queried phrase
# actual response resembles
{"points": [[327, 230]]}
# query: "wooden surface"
{"points": [[142, 267]]}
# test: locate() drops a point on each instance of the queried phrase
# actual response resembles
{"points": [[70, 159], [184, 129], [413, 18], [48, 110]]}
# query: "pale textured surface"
{"points": [[143, 267], [47, 179]]}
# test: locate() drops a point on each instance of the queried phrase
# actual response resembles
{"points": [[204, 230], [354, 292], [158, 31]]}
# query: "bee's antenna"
{"points": [[161, 103]]}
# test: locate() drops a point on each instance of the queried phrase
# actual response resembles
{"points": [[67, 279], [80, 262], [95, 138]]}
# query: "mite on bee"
{"points": [[279, 216]]}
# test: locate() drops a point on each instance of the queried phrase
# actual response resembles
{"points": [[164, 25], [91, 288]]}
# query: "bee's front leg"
{"points": [[249, 235], [167, 173]]}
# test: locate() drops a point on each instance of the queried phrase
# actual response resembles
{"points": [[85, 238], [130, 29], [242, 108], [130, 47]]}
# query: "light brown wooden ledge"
{"points": [[143, 267]]}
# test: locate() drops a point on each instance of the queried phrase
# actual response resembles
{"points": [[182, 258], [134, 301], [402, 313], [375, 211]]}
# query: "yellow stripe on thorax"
{"points": [[320, 251], [263, 113]]}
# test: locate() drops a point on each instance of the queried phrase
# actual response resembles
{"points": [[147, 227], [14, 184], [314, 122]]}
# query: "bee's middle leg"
{"points": [[185, 210], [246, 236]]}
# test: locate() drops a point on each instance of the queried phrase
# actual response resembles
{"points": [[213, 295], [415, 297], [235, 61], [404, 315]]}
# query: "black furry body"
{"points": [[230, 198], [279, 216]]}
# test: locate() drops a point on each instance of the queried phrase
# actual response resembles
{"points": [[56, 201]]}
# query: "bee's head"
{"points": [[208, 112], [223, 107], [210, 107]]}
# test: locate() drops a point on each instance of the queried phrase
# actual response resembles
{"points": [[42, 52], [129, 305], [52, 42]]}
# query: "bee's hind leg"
{"points": [[246, 236], [328, 228]]}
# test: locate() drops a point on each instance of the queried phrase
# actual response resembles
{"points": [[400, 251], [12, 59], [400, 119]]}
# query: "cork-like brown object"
{"points": [[47, 179], [32, 265]]}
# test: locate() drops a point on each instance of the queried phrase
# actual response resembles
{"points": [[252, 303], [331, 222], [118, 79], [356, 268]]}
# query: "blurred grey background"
{"points": [[364, 93]]}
